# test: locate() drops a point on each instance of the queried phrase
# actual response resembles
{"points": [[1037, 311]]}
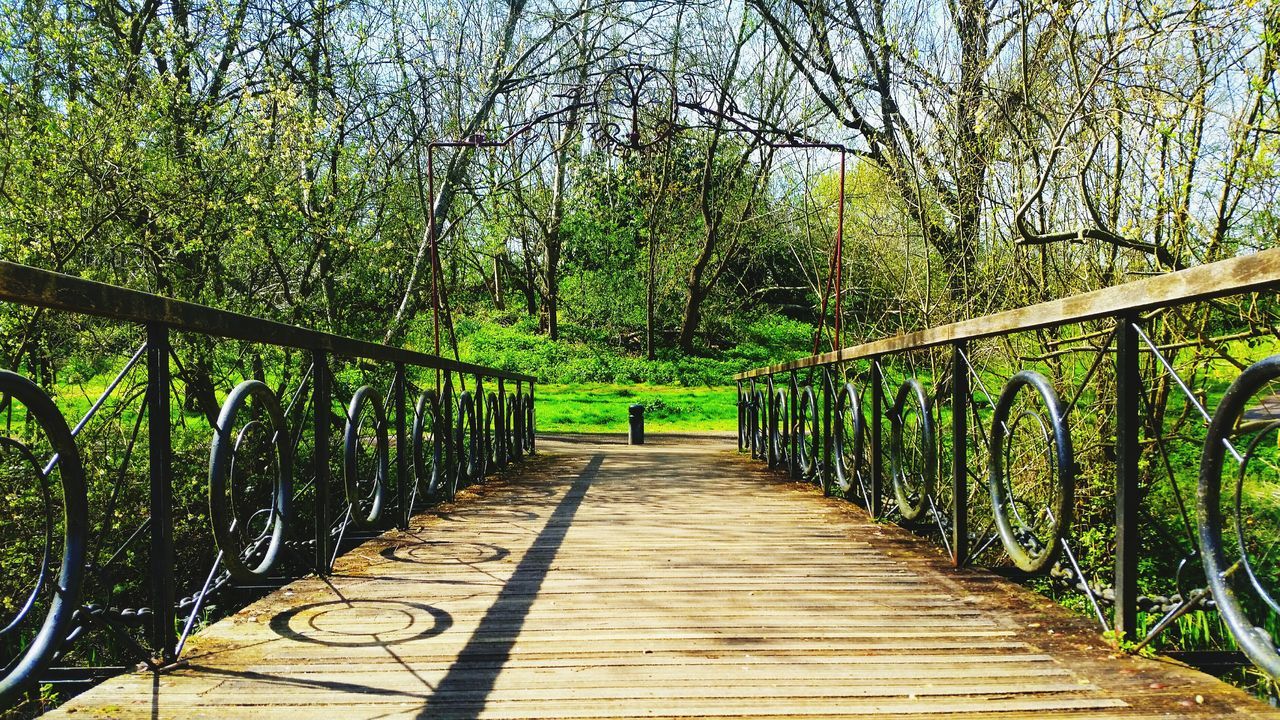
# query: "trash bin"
{"points": [[635, 414]]}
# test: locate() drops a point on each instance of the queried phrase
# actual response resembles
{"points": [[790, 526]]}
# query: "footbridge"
{"points": [[889, 534]]}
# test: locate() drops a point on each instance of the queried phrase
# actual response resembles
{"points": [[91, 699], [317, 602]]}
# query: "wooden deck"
{"points": [[673, 580]]}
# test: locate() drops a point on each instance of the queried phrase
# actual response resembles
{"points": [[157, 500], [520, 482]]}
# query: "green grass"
{"points": [[602, 407]]}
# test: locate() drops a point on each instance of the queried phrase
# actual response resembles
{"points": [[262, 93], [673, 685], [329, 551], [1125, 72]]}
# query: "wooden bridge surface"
{"points": [[673, 580]]}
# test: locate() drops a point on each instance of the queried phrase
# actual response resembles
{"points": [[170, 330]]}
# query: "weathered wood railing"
{"points": [[446, 439], [809, 417]]}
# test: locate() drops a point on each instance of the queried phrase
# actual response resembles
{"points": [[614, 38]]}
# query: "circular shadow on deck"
{"points": [[361, 623], [442, 552]]}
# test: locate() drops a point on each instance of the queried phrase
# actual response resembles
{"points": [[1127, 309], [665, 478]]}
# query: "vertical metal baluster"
{"points": [[791, 426], [402, 464], [500, 424], [959, 455], [826, 469], [877, 457], [1128, 452], [741, 423], [533, 420], [482, 462], [766, 452], [451, 439], [517, 419], [320, 404], [163, 631]]}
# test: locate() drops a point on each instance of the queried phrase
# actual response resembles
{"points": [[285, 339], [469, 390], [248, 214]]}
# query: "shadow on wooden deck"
{"points": [[667, 580]]}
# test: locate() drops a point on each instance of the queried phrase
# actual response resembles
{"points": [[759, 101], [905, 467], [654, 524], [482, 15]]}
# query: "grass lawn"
{"points": [[601, 407]]}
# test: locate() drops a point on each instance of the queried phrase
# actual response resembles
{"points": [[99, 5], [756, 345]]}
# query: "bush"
{"points": [[515, 343]]}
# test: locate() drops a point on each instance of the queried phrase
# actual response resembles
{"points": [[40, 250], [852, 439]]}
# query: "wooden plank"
{"points": [[1237, 275]]}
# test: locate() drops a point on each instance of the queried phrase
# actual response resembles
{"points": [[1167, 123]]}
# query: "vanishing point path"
{"points": [[671, 580]]}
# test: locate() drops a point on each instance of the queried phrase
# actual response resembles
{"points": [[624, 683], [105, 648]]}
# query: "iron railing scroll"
{"points": [[398, 445], [941, 431]]}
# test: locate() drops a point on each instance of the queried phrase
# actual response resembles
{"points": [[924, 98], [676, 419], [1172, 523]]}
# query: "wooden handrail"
{"points": [[1227, 277], [41, 288]]}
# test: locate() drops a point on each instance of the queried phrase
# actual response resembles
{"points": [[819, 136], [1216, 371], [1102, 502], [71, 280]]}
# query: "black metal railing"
{"points": [[88, 532], [1043, 438]]}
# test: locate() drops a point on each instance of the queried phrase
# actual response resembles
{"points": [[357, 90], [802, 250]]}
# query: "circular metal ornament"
{"points": [[29, 642], [427, 443], [1233, 559], [1031, 493], [779, 427], [512, 429], [449, 464], [491, 431], [916, 467], [754, 412], [807, 433], [366, 482], [249, 501], [530, 426], [467, 440], [849, 443], [760, 427]]}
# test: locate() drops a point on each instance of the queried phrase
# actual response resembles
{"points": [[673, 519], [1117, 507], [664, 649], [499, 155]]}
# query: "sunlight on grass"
{"points": [[602, 407]]}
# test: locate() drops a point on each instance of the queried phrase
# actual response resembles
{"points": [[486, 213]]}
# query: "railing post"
{"points": [[163, 631], [320, 402], [482, 466], [828, 444], [791, 425], [766, 452], [450, 439], [738, 403], [959, 455], [517, 422], [533, 420], [877, 457], [1128, 385], [500, 426], [402, 464]]}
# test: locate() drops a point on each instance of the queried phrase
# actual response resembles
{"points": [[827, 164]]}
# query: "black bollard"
{"points": [[635, 414]]}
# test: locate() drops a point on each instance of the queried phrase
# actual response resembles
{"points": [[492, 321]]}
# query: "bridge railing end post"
{"points": [[160, 459], [959, 455], [321, 400], [1128, 452], [877, 433]]}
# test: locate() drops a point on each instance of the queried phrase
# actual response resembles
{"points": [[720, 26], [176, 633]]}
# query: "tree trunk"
{"points": [[530, 280], [648, 315], [692, 318], [458, 166], [972, 27], [199, 394], [552, 260], [498, 301]]}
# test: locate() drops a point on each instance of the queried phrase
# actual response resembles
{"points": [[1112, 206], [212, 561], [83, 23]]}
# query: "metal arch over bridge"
{"points": [[671, 580]]}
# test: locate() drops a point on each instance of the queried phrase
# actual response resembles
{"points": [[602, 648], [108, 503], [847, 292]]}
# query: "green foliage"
{"points": [[584, 355], [599, 407]]}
